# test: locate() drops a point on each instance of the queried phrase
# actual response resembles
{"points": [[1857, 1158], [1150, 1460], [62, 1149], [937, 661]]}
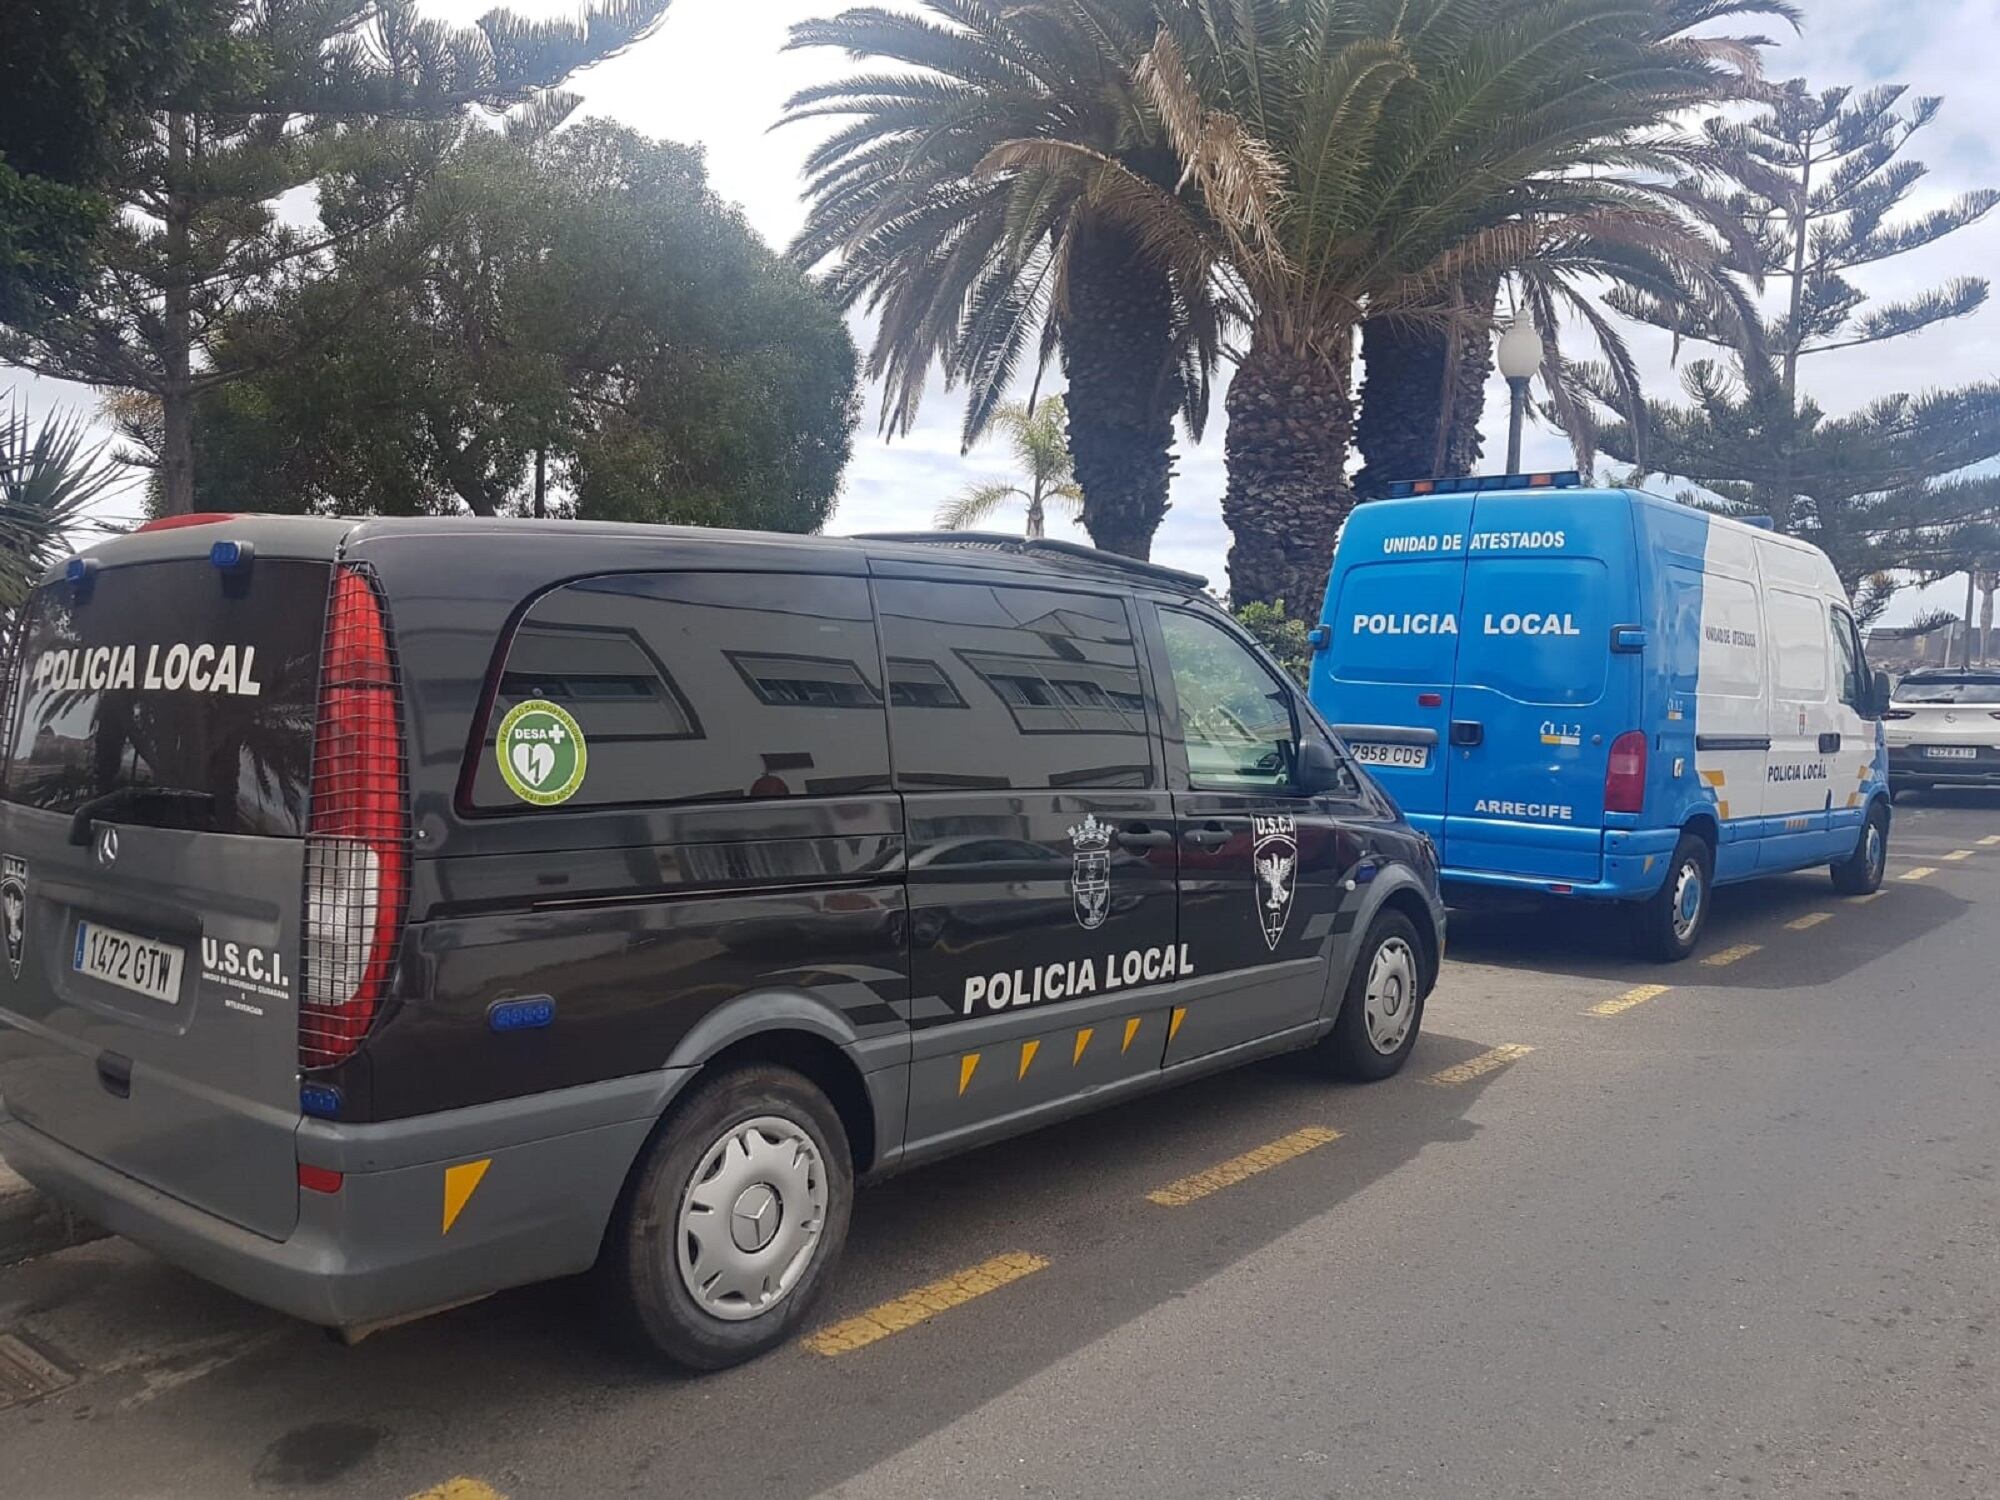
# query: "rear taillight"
{"points": [[358, 829], [1625, 774]]}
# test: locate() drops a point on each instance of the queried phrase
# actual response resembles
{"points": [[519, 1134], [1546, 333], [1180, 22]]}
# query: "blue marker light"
{"points": [[320, 1099], [229, 556], [527, 1014]]}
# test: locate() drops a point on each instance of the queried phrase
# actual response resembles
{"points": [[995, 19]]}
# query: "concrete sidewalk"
{"points": [[32, 1225]]}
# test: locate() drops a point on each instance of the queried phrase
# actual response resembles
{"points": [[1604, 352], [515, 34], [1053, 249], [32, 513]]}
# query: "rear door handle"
{"points": [[1467, 732], [1209, 837], [1139, 836], [114, 1071], [1829, 743]]}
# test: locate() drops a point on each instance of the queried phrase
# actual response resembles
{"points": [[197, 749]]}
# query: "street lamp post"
{"points": [[1519, 356]]}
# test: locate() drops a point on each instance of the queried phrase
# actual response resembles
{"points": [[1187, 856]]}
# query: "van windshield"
{"points": [[171, 695]]}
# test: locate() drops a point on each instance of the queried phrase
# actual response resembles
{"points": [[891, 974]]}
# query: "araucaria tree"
{"points": [[1823, 181], [945, 215], [362, 95], [567, 323]]}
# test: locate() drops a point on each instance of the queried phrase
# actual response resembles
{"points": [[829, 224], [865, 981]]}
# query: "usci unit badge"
{"points": [[1276, 856], [14, 910], [1090, 871]]}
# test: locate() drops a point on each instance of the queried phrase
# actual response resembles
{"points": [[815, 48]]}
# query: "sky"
{"points": [[716, 74]]}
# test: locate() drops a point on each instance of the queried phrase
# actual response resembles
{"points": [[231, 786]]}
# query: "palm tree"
{"points": [[1358, 158], [1036, 436], [47, 480], [969, 264], [1423, 390]]}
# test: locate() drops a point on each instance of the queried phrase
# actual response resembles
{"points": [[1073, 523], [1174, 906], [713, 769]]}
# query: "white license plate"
{"points": [[1415, 756], [132, 963], [1951, 752]]}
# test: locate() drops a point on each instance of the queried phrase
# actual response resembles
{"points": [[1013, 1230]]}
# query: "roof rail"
{"points": [[996, 541]]}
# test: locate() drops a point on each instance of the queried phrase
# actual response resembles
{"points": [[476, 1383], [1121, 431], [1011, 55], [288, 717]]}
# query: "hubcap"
{"points": [[751, 1217], [1389, 1004], [1687, 900]]}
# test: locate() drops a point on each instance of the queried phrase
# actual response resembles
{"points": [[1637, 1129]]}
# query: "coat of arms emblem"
{"points": [[1090, 871], [1276, 859]]}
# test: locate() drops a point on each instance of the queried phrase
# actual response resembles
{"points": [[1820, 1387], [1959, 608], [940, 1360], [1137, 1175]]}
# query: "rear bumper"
{"points": [[1633, 867], [1909, 763], [381, 1247]]}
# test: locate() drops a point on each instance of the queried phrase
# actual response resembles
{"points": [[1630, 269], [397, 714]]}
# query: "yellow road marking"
{"points": [[460, 1488], [1474, 1067], [1028, 1051], [1989, 841], [1082, 1040], [1131, 1030], [1638, 995], [1731, 955], [1921, 872], [967, 1066], [1174, 1025], [1957, 854], [1810, 920], [1186, 1190], [459, 1181], [923, 1304]]}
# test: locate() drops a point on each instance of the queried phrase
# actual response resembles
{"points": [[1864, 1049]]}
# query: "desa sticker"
{"points": [[541, 751]]}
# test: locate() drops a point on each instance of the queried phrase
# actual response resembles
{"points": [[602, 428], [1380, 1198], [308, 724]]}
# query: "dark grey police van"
{"points": [[398, 911]]}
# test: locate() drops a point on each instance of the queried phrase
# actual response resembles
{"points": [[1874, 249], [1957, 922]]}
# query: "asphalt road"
{"points": [[1738, 1237]]}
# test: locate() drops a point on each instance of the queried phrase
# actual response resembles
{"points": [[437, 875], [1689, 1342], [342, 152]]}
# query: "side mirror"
{"points": [[1320, 770], [1879, 694]]}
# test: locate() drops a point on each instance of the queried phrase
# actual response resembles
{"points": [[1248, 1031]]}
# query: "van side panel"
{"points": [[1732, 702]]}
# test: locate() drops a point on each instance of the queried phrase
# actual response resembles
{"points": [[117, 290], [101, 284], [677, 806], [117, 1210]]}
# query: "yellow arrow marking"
{"points": [[1082, 1040], [459, 1181], [1131, 1030], [1028, 1051], [1174, 1026], [967, 1066]]}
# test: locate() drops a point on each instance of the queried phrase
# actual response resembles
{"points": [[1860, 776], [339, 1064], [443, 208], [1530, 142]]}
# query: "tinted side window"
{"points": [[702, 687], [1003, 687], [1236, 718]]}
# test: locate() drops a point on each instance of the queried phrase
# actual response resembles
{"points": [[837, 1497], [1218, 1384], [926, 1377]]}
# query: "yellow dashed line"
{"points": [[1226, 1174], [1638, 995], [1731, 955], [923, 1304], [460, 1488], [1083, 1037], [967, 1066], [1957, 854], [1810, 920], [1131, 1030], [1989, 841], [1921, 872], [1475, 1067], [1028, 1051]]}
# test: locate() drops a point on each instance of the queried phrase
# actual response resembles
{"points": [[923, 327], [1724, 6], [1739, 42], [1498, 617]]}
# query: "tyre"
{"points": [[1383, 1007], [733, 1220], [1669, 924], [1860, 874]]}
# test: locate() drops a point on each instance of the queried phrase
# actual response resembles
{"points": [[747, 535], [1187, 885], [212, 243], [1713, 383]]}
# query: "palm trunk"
{"points": [[177, 336], [1291, 421], [1423, 393], [1124, 388]]}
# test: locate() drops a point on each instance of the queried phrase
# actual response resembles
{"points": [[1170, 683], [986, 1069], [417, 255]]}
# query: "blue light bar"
{"points": [[1552, 479], [319, 1099], [529, 1013]]}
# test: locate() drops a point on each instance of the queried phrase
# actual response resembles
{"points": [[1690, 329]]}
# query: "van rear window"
{"points": [[171, 677]]}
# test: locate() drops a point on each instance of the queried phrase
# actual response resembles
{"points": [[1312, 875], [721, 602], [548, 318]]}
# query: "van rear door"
{"points": [[152, 868], [1540, 694], [1392, 613]]}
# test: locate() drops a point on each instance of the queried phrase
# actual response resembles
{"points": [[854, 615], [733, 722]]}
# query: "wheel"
{"points": [[1669, 923], [734, 1218], [1383, 1007], [1860, 874]]}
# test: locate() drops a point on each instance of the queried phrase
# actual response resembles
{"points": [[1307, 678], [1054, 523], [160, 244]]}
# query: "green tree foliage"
{"points": [[1366, 157], [76, 80], [48, 479], [971, 258], [357, 98], [1285, 637], [1823, 185], [1035, 434], [569, 323]]}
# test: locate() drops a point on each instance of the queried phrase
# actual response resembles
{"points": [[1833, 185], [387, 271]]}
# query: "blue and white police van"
{"points": [[1601, 694]]}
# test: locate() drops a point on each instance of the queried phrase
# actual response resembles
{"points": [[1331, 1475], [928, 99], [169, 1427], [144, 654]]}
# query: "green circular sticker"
{"points": [[542, 754]]}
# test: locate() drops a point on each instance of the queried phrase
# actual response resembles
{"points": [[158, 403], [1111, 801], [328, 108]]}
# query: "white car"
{"points": [[1944, 725]]}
